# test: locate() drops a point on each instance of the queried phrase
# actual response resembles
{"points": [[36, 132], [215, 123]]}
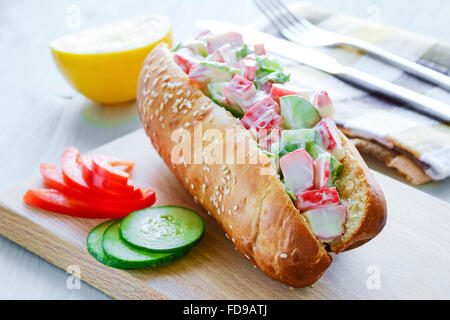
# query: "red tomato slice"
{"points": [[102, 184], [54, 179], [72, 172], [107, 171], [55, 201], [70, 166]]}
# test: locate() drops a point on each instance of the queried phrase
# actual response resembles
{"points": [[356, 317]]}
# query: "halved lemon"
{"points": [[103, 63]]}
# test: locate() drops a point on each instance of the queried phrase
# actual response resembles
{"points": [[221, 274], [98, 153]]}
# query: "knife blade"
{"points": [[325, 63]]}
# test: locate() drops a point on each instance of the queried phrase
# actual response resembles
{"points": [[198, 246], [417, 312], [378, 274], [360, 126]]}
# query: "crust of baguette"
{"points": [[253, 208]]}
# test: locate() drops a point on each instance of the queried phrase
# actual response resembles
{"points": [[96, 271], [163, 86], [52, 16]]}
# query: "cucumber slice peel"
{"points": [[124, 256], [162, 229], [94, 243]]}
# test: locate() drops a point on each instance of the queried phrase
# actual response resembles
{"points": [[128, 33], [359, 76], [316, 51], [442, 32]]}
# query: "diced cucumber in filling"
{"points": [[219, 71], [336, 167], [216, 94], [298, 113], [197, 46], [243, 52], [268, 69], [292, 140]]}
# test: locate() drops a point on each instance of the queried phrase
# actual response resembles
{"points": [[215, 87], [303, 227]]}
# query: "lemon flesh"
{"points": [[103, 63]]}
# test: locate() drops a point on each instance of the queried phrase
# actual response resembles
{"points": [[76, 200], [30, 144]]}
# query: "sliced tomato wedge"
{"points": [[71, 165], [54, 179], [107, 170], [55, 201], [101, 184], [71, 169]]}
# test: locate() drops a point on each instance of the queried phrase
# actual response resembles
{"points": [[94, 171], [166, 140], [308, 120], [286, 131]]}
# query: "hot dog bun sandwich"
{"points": [[295, 188]]}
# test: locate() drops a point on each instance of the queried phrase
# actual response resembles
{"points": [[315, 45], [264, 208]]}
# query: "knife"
{"points": [[325, 63]]}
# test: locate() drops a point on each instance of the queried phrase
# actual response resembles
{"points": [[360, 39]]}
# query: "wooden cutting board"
{"points": [[409, 259]]}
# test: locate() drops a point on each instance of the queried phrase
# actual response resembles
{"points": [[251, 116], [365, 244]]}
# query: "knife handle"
{"points": [[415, 100], [405, 64]]}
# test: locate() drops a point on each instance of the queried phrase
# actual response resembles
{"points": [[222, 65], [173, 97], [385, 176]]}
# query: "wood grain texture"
{"points": [[408, 253]]}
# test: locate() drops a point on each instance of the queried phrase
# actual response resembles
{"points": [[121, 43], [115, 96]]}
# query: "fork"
{"points": [[301, 31]]}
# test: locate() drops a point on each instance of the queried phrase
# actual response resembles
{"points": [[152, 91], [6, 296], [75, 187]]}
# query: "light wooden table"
{"points": [[42, 114]]}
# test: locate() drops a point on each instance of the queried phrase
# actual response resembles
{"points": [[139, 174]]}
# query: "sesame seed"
{"points": [[223, 180], [179, 92], [209, 213], [187, 124], [186, 179], [232, 239], [170, 96], [218, 212], [235, 207], [161, 118], [226, 235], [231, 227], [229, 212], [217, 187], [192, 186], [247, 257], [283, 255]]}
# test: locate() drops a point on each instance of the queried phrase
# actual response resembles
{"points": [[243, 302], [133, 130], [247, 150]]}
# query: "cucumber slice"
{"points": [[292, 140], [126, 257], [94, 243], [336, 167], [163, 229], [298, 113]]}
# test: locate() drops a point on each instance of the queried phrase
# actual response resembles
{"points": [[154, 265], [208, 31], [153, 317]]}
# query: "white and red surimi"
{"points": [[324, 104], [216, 41], [240, 91], [321, 171], [280, 90], [298, 170], [328, 222], [225, 54], [262, 115], [330, 138], [317, 198], [260, 50], [202, 34], [184, 59], [198, 73], [247, 66], [267, 138]]}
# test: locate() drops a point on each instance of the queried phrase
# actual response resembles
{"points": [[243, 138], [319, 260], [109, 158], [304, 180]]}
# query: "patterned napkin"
{"points": [[415, 145]]}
